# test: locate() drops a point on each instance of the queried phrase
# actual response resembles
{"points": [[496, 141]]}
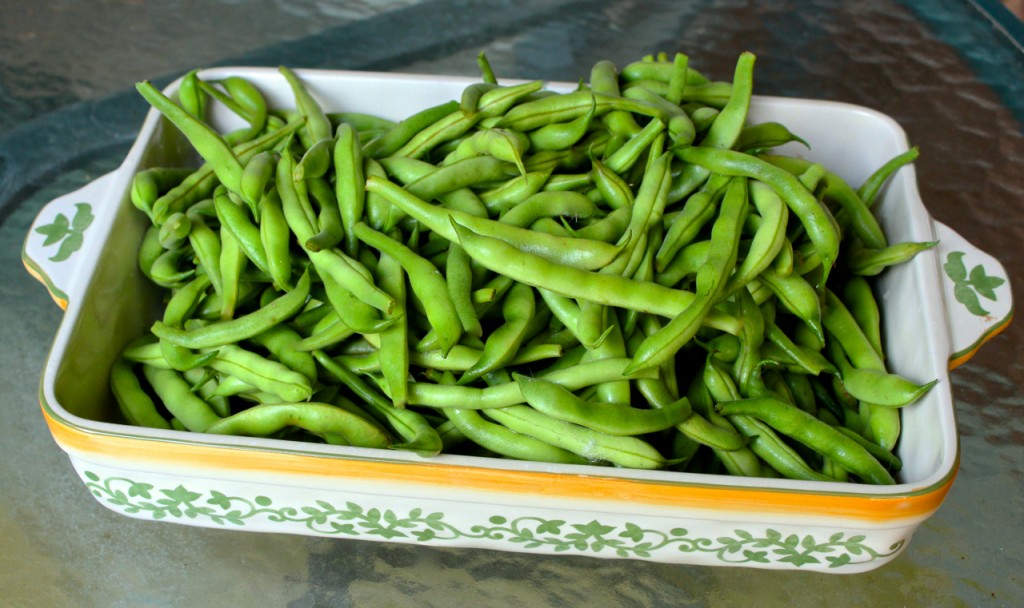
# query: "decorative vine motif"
{"points": [[967, 287], [629, 540], [69, 233]]}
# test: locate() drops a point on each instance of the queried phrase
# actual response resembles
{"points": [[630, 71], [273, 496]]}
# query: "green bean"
{"points": [[549, 204], [206, 246], [660, 71], [469, 101], [815, 218], [594, 446], [234, 217], [746, 368], [615, 192], [871, 262], [282, 343], [767, 241], [587, 253], [503, 144], [560, 136], [426, 282], [316, 160], [179, 308], [361, 121], [629, 153], [580, 376], [166, 269], [725, 238], [191, 97], [149, 184], [863, 222], [175, 230], [331, 332], [805, 428], [685, 226], [459, 277], [177, 396], [505, 442], [394, 341], [677, 81], [223, 333], [411, 426], [350, 184], [210, 145], [611, 418], [496, 102], [604, 80], [860, 300], [513, 191], [882, 388], [201, 182], [518, 310], [329, 216], [762, 440], [135, 405], [249, 103], [459, 174], [389, 143], [808, 360], [797, 296], [666, 342], [608, 289], [257, 174], [318, 125], [869, 190], [883, 423], [447, 128], [763, 136], [567, 181], [334, 424], [608, 229], [262, 373], [561, 108]]}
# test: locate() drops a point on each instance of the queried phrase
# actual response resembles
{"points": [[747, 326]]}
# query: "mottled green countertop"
{"points": [[951, 72]]}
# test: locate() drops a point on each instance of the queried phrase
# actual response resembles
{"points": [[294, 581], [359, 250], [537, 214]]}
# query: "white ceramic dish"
{"points": [[459, 501]]}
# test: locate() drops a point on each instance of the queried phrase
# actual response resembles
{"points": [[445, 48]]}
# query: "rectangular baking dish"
{"points": [[269, 485]]}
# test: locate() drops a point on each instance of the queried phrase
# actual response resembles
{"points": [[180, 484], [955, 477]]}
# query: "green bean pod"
{"points": [[817, 435], [611, 418], [590, 444], [135, 405], [177, 396], [501, 440], [223, 333], [426, 282], [210, 145], [350, 183]]}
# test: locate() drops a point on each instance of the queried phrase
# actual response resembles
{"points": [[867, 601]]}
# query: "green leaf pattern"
{"points": [[69, 233], [594, 537], [967, 286]]}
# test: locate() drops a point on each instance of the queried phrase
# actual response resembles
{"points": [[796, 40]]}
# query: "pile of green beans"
{"points": [[626, 274]]}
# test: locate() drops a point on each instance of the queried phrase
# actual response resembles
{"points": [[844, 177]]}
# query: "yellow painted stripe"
{"points": [[58, 296], [570, 486], [958, 359]]}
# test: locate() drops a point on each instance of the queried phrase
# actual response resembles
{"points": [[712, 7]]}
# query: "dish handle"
{"points": [[977, 292], [53, 248]]}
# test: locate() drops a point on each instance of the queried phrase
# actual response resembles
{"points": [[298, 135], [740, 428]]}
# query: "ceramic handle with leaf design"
{"points": [[979, 302], [55, 246]]}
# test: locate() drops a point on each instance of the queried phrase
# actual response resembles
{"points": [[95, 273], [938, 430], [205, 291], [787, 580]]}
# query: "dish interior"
{"points": [[117, 304]]}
